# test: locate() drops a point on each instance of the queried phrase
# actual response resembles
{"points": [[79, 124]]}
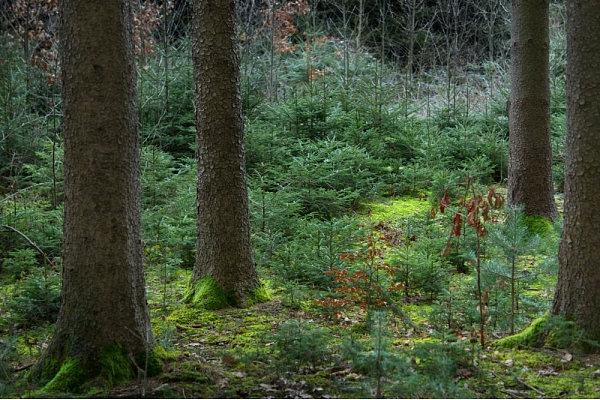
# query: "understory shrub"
{"points": [[300, 346]]}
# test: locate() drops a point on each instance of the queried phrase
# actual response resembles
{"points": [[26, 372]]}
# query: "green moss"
{"points": [[112, 367], [259, 295], [115, 365], [153, 365], [164, 355], [548, 330], [207, 294], [49, 369], [69, 378], [538, 224], [533, 336], [187, 315], [96, 392], [399, 207]]}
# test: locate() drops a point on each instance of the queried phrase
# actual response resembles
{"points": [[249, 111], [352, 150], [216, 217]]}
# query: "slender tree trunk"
{"points": [[577, 293], [103, 295], [530, 151], [224, 251]]}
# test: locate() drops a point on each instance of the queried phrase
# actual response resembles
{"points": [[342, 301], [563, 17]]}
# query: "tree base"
{"points": [[548, 330], [207, 294], [112, 367]]}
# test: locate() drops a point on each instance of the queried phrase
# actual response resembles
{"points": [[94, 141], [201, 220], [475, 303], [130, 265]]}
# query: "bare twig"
{"points": [[538, 391], [30, 242]]}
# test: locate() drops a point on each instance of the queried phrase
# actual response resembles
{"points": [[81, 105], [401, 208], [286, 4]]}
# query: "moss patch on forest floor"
{"points": [[395, 208]]}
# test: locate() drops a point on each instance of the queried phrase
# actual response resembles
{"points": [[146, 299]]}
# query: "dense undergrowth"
{"points": [[355, 175]]}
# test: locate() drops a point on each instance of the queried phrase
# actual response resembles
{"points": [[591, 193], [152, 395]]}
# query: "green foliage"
{"points": [[434, 370], [306, 249], [300, 345], [34, 217], [38, 299], [377, 361], [509, 269], [20, 263]]}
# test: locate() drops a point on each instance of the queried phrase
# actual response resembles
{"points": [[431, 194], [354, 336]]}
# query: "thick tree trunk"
{"points": [[578, 290], [103, 293], [530, 151], [224, 251]]}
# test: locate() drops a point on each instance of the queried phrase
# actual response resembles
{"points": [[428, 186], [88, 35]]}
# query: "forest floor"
{"points": [[234, 354], [289, 348]]}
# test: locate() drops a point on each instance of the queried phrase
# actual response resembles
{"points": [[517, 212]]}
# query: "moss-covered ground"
{"points": [[283, 349]]}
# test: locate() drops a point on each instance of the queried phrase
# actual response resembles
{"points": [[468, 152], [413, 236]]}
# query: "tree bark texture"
{"points": [[223, 251], [578, 289], [103, 294], [530, 151]]}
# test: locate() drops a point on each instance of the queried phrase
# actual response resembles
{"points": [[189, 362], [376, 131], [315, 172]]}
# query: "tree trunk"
{"points": [[224, 251], [530, 151], [103, 306], [577, 293]]}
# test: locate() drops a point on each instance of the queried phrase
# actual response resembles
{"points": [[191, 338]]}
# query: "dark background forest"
{"points": [[360, 119]]}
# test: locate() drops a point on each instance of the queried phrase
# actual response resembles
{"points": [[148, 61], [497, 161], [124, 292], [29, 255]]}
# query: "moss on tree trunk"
{"points": [[206, 293], [113, 366]]}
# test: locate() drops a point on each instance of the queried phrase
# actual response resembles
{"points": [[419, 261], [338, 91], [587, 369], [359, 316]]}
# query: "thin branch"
{"points": [[31, 243]]}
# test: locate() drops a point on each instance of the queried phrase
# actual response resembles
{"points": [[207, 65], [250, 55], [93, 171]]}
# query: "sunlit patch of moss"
{"points": [[206, 293], [548, 330], [187, 316], [533, 336], [70, 378], [359, 328], [250, 335], [259, 295], [396, 208], [559, 385], [418, 313]]}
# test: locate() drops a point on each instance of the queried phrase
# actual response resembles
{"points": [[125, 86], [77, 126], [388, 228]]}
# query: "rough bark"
{"points": [[530, 151], [103, 294], [577, 293], [224, 251]]}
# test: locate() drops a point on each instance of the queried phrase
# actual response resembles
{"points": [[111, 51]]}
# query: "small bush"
{"points": [[38, 300], [300, 346]]}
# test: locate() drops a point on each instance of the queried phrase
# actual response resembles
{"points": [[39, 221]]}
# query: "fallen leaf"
{"points": [[509, 363], [567, 357], [229, 360], [548, 372], [268, 388]]}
